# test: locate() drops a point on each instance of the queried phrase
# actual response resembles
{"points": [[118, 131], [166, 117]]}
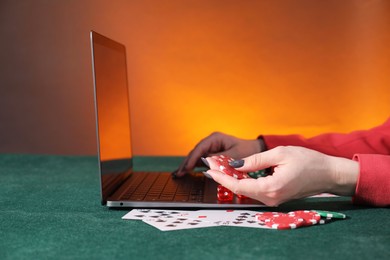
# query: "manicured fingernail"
{"points": [[207, 175], [205, 161], [237, 163]]}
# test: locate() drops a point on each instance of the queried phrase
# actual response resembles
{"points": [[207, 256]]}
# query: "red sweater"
{"points": [[371, 148]]}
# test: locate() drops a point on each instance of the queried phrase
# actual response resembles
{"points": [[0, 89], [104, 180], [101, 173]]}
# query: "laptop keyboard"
{"points": [[161, 187]]}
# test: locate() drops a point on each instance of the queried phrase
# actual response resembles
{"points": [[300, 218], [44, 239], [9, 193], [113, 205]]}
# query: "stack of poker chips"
{"points": [[297, 219], [222, 162]]}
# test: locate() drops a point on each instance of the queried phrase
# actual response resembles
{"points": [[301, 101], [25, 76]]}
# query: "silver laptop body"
{"points": [[120, 185]]}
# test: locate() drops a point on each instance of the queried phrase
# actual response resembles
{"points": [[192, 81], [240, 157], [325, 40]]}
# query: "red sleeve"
{"points": [[371, 148], [373, 186], [373, 141]]}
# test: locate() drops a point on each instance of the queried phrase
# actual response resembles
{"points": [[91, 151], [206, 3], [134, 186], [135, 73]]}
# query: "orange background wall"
{"points": [[254, 67], [240, 67]]}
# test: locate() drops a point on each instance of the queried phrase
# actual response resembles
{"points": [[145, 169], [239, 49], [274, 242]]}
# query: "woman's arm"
{"points": [[372, 141]]}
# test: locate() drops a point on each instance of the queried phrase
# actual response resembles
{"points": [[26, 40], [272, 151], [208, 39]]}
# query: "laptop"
{"points": [[120, 185]]}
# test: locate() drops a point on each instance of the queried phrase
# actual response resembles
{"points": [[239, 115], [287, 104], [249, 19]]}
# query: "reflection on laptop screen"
{"points": [[112, 106]]}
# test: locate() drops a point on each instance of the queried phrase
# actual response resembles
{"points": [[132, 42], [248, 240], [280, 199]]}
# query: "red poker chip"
{"points": [[223, 165], [310, 217], [262, 217], [284, 221], [224, 194]]}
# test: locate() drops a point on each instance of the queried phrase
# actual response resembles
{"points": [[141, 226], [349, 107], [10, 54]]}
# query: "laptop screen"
{"points": [[112, 111]]}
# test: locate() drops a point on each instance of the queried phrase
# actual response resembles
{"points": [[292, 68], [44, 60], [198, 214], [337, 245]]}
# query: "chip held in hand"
{"points": [[222, 164]]}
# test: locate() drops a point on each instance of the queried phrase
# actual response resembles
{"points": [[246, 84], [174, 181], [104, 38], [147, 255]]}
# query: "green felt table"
{"points": [[50, 208]]}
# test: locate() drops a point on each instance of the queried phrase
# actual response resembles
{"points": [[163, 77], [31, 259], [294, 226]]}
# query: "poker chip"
{"points": [[330, 214], [222, 163], [224, 194], [309, 217], [296, 219], [284, 221], [257, 174], [224, 166], [265, 216], [241, 197]]}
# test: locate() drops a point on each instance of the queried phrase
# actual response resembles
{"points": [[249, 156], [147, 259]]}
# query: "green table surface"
{"points": [[50, 208]]}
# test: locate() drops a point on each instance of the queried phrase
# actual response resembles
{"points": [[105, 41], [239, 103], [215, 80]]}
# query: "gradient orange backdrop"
{"points": [[255, 67], [245, 67]]}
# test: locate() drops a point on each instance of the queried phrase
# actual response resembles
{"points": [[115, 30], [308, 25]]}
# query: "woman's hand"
{"points": [[298, 173], [219, 143]]}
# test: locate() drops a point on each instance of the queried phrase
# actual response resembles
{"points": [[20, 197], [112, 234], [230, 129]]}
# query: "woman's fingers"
{"points": [[247, 187], [262, 160]]}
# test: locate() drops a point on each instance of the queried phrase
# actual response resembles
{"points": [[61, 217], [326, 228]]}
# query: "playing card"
{"points": [[177, 223], [153, 214], [245, 219], [167, 220], [237, 218]]}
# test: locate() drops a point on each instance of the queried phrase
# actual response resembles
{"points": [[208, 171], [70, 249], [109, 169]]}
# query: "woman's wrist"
{"points": [[345, 174]]}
